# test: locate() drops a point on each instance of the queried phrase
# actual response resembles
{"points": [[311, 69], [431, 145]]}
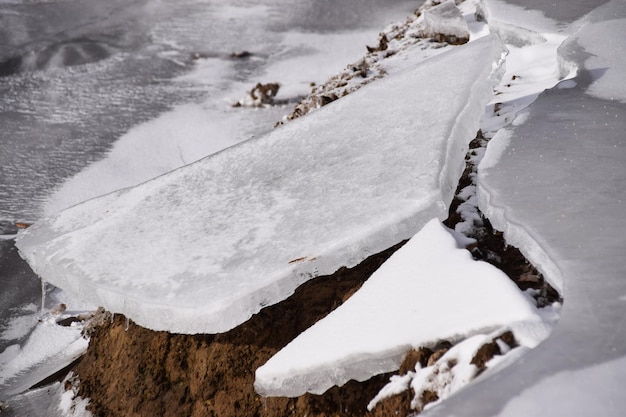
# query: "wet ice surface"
{"points": [[48, 349], [57, 118], [50, 401], [21, 290]]}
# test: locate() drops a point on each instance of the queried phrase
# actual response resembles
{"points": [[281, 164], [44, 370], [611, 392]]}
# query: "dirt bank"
{"points": [[138, 372]]}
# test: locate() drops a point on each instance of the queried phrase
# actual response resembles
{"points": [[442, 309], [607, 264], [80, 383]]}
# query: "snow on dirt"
{"points": [[357, 341]]}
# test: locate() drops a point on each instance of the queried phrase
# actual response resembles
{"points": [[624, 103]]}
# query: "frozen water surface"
{"points": [[553, 180], [557, 187], [243, 228], [194, 130], [76, 76], [112, 86]]}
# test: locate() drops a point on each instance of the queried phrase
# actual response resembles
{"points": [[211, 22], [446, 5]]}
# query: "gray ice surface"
{"points": [[559, 193]]}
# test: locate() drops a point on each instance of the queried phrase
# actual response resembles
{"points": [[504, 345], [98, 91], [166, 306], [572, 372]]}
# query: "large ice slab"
{"points": [[202, 248], [429, 290], [557, 186]]}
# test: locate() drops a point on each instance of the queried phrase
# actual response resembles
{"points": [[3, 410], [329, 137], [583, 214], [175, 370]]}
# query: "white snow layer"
{"points": [[557, 187], [201, 249], [48, 349], [430, 289]]}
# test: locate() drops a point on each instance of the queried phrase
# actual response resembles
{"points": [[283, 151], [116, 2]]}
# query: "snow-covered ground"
{"points": [[244, 227]]}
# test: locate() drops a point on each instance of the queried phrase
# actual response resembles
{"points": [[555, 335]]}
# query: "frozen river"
{"points": [[80, 77], [97, 98], [77, 75]]}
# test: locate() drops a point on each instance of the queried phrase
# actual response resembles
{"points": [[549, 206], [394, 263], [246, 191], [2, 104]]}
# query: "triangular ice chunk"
{"points": [[201, 249], [427, 291]]}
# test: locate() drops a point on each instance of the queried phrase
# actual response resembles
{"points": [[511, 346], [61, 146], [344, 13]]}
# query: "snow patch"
{"points": [[357, 341], [397, 385]]}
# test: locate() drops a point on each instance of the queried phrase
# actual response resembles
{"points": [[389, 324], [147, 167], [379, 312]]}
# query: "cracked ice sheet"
{"points": [[532, 62], [191, 131], [557, 187], [203, 248], [429, 290]]}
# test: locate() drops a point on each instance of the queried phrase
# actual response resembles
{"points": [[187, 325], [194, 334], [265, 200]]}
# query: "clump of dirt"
{"points": [[138, 372], [487, 351], [415, 356], [440, 350], [402, 404], [261, 95], [395, 38], [427, 374], [398, 405]]}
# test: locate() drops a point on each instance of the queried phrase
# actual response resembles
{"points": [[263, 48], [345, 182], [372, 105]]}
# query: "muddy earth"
{"points": [[138, 372]]}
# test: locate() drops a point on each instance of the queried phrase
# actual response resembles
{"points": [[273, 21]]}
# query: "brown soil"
{"points": [[396, 406], [138, 372]]}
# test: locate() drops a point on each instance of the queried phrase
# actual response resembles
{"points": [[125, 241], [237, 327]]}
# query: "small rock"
{"points": [[382, 44], [530, 277], [58, 309]]}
